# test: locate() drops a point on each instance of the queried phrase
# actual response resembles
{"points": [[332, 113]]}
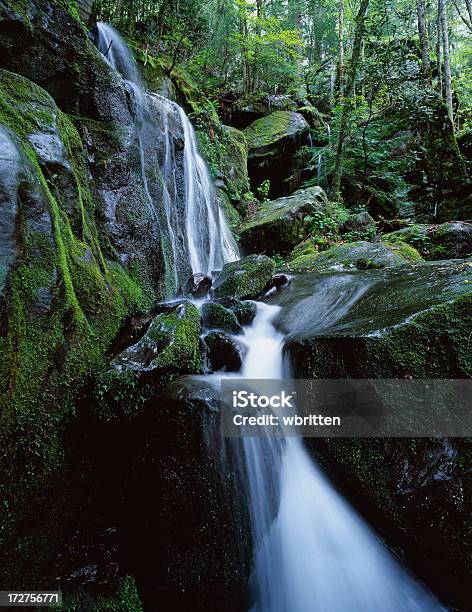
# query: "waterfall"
{"points": [[181, 198], [313, 553], [319, 166]]}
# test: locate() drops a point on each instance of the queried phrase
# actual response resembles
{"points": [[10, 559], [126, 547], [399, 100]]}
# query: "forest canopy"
{"points": [[371, 69]]}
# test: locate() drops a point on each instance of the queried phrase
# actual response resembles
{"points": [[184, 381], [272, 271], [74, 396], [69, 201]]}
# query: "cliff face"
{"points": [[79, 249]]}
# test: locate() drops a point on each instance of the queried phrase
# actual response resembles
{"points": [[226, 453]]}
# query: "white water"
{"points": [[313, 552], [182, 199]]}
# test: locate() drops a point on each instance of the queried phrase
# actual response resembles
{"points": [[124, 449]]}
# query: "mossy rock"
{"points": [[272, 129], [396, 323], [356, 256], [360, 226], [451, 240], [216, 316], [245, 278], [250, 107], [245, 311], [279, 225], [170, 345], [63, 300], [274, 142]]}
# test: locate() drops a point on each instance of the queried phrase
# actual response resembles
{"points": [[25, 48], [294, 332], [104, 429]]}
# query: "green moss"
{"points": [[125, 600], [182, 326], [356, 255], [268, 130], [65, 304], [20, 7], [245, 278], [216, 316]]}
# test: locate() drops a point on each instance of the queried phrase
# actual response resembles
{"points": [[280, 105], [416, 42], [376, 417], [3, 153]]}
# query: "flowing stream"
{"points": [[181, 198], [313, 553]]}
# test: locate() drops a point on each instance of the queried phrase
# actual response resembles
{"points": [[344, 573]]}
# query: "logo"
{"points": [[245, 399]]}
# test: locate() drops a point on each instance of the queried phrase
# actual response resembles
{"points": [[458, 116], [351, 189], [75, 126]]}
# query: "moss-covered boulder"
{"points": [[399, 323], [273, 142], [246, 109], [171, 344], [355, 256], [216, 316], [245, 278], [451, 240], [245, 311], [278, 225]]}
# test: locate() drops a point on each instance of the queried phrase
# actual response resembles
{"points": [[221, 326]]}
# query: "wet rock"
{"points": [[245, 278], [204, 555], [84, 86], [410, 322], [273, 142], [245, 311], [171, 344], [451, 240], [216, 316], [10, 168], [223, 353], [278, 225], [356, 256], [198, 285], [277, 282]]}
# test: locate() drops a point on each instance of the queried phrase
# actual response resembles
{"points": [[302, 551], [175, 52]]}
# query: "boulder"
{"points": [[248, 108], [171, 344], [216, 316], [204, 551], [273, 142], [245, 278], [222, 353], [360, 226], [278, 225], [356, 256], [245, 311], [198, 285], [451, 240], [277, 282], [398, 323]]}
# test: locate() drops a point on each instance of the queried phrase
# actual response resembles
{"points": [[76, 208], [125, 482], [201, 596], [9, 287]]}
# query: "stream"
{"points": [[312, 552]]}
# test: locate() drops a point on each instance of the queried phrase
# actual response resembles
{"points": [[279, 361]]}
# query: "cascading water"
{"points": [[182, 200], [313, 553]]}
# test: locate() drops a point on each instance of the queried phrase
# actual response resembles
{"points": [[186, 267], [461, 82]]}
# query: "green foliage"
{"points": [[263, 191]]}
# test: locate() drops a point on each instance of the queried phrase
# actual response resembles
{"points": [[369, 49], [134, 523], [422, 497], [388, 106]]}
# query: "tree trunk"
{"points": [[438, 53], [348, 93], [446, 60], [424, 40], [468, 4], [341, 48], [255, 65]]}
